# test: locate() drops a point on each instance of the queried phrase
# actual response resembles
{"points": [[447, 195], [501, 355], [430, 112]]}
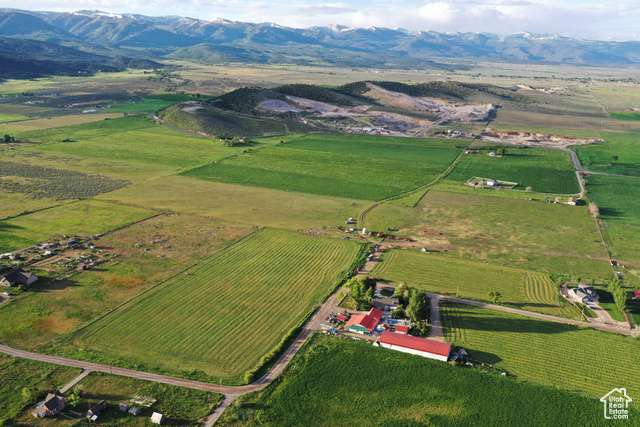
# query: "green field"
{"points": [[83, 218], [618, 198], [625, 115], [509, 232], [474, 280], [151, 103], [360, 168], [236, 203], [175, 150], [599, 157], [229, 310], [544, 170], [341, 382], [546, 353]]}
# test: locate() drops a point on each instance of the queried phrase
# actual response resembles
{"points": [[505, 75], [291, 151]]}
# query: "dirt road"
{"points": [[602, 327]]}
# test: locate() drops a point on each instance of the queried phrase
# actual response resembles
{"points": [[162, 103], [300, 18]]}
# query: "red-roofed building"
{"points": [[341, 317], [636, 294], [400, 329], [415, 345], [365, 323]]}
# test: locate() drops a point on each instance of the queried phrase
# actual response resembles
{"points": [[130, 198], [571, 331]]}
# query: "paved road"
{"points": [[578, 166], [608, 328]]}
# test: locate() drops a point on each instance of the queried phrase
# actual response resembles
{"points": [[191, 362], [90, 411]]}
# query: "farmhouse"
{"points": [[364, 323], [18, 277], [584, 293], [415, 345], [54, 403]]}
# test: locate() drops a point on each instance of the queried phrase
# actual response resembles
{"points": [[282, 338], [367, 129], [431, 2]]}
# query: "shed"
{"points": [[134, 410], [82, 266], [636, 294], [124, 406], [97, 409], [414, 345], [401, 329], [157, 418], [492, 182]]}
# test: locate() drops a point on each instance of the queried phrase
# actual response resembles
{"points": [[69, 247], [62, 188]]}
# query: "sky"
{"points": [[587, 19]]}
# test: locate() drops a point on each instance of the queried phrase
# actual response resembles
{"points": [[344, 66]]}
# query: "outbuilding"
{"points": [[364, 323], [157, 418], [414, 345]]}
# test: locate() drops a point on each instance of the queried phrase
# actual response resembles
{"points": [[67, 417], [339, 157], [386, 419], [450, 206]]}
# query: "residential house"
{"points": [[54, 403], [18, 277]]}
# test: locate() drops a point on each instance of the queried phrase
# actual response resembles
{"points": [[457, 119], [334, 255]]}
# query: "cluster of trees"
{"points": [[8, 138], [360, 288], [414, 304], [619, 295]]}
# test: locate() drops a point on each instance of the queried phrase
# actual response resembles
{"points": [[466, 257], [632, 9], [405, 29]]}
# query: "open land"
{"points": [[203, 290], [223, 290]]}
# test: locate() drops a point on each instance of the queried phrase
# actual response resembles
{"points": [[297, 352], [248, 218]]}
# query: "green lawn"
{"points": [[472, 279], [361, 175], [84, 218], [544, 170], [222, 315], [546, 353], [342, 382]]}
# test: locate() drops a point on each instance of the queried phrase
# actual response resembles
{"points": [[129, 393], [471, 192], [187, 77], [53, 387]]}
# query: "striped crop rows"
{"points": [[435, 273], [582, 360], [223, 314], [545, 297]]}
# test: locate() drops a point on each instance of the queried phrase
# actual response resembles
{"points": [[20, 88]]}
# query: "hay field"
{"points": [[55, 122], [228, 310]]}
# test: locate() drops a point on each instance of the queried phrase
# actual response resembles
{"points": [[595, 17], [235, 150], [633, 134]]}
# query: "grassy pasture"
{"points": [[24, 382], [140, 146], [625, 115], [471, 279], [617, 197], [433, 151], [18, 203], [150, 252], [544, 170], [85, 218], [12, 117], [180, 405], [504, 231], [247, 205], [152, 103], [56, 122], [598, 157], [229, 309], [327, 173], [351, 383], [80, 131], [542, 352]]}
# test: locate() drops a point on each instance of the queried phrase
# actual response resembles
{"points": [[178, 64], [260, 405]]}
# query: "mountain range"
{"points": [[109, 35]]}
